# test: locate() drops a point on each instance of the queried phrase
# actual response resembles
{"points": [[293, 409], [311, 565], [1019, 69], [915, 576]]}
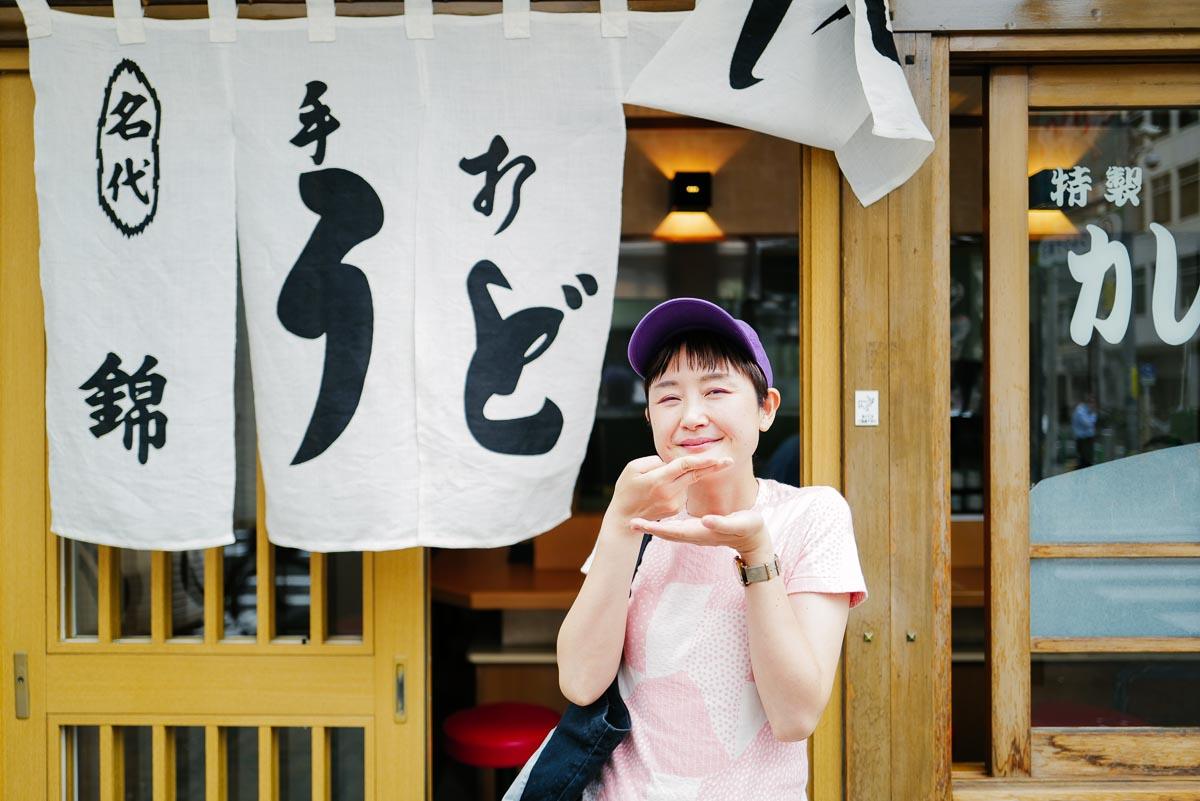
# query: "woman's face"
{"points": [[709, 411]]}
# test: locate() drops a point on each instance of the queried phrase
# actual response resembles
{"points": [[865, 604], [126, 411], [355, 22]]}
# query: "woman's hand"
{"points": [[743, 531], [649, 488]]}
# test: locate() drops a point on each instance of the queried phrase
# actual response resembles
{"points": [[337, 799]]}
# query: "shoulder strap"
{"points": [[641, 552]]}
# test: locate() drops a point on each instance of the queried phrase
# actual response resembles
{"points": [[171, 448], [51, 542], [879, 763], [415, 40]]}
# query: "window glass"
{"points": [[1157, 123], [81, 763], [1105, 383], [1151, 497], [1189, 190], [1160, 197], [1114, 411], [295, 763], [344, 594], [80, 589], [189, 763], [241, 763], [1115, 597], [292, 586], [136, 742], [1115, 690], [239, 561], [967, 403], [187, 594], [134, 592], [346, 764]]}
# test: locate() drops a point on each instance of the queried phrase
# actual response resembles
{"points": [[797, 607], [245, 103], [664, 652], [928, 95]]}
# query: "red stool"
{"points": [[500, 735]]}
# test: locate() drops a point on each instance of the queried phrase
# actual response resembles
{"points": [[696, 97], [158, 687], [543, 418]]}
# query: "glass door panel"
{"points": [[1114, 384], [248, 762], [1104, 415]]}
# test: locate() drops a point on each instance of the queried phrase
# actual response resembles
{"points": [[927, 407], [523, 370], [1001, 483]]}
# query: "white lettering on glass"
{"points": [[1072, 186], [1166, 268], [1123, 185], [1089, 270]]}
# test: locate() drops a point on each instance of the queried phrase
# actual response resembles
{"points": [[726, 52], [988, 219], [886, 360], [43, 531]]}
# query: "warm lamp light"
{"points": [[689, 226], [1050, 222], [1061, 145], [1046, 218]]}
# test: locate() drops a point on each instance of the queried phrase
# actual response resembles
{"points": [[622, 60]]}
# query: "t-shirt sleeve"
{"points": [[821, 554]]}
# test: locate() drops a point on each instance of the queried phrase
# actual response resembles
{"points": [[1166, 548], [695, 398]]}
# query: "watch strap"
{"points": [[750, 574]]}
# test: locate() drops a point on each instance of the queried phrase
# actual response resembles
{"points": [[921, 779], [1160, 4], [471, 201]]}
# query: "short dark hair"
{"points": [[706, 350]]}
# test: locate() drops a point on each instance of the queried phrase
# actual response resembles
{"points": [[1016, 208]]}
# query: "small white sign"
{"points": [[866, 407]]}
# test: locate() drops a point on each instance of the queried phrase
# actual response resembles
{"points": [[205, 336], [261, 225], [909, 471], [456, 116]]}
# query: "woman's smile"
{"points": [[694, 444]]}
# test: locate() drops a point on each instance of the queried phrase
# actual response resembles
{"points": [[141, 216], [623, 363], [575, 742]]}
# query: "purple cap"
{"points": [[686, 314]]}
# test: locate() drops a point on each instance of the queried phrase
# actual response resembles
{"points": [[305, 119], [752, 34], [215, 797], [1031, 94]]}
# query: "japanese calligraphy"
{"points": [[881, 34], [324, 297], [1123, 185], [127, 156], [140, 391], [125, 126], [317, 122], [132, 175], [503, 347], [1166, 289], [763, 21], [1071, 186], [1090, 268], [489, 164], [841, 13]]}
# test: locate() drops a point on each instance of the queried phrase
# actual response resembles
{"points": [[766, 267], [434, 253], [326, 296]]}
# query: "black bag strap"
{"points": [[641, 552], [581, 743]]}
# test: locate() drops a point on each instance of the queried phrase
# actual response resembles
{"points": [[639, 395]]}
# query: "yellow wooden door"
{"points": [[131, 675]]}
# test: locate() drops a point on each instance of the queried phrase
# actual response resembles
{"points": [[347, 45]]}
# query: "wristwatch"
{"points": [[752, 573]]}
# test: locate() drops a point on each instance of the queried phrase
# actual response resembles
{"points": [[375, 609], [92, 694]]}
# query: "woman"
{"points": [[726, 643]]}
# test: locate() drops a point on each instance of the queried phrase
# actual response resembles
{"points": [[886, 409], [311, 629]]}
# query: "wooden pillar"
{"points": [[896, 311]]}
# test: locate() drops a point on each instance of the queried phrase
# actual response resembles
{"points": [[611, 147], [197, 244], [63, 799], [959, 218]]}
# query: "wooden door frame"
{"points": [[1019, 752], [23, 506], [821, 408], [1043, 15]]}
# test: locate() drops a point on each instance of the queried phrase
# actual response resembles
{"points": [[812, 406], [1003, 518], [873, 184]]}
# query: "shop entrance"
{"points": [[241, 672]]}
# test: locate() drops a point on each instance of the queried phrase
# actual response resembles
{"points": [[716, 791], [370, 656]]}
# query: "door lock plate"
{"points": [[21, 682]]}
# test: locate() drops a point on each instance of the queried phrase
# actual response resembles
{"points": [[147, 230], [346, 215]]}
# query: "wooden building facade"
{"points": [[877, 288]]}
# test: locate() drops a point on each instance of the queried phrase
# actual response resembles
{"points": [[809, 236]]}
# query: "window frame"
{"points": [[1017, 747]]}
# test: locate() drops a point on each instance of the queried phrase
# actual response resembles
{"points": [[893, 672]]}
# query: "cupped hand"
{"points": [[649, 488], [744, 531]]}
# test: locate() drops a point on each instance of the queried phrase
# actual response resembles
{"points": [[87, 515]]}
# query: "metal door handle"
{"points": [[401, 710], [21, 682]]}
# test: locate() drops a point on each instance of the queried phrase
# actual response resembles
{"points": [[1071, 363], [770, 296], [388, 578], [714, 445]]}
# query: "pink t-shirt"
{"points": [[699, 731]]}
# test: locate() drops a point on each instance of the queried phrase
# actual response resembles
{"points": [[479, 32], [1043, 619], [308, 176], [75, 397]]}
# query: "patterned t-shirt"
{"points": [[699, 731]]}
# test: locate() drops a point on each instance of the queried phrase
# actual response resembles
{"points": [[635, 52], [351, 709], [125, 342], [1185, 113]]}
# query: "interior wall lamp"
{"points": [[688, 221], [1046, 218], [1041, 184], [691, 191]]}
